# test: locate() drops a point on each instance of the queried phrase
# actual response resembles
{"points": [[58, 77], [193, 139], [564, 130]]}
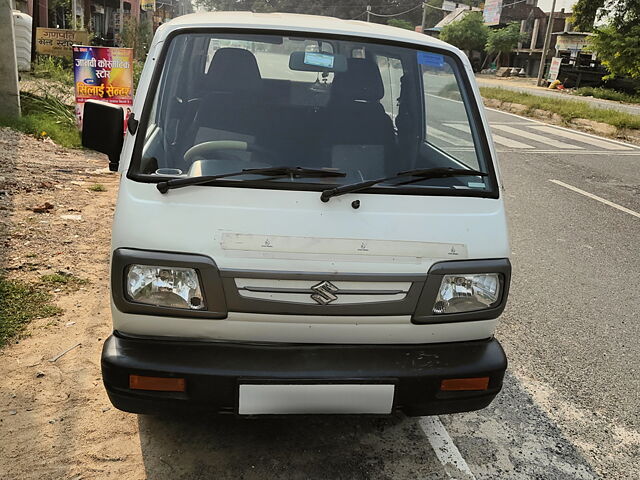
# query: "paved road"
{"points": [[541, 92], [569, 409]]}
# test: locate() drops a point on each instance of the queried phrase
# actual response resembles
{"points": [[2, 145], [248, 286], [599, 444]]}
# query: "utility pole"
{"points": [[545, 47], [424, 15], [368, 13], [9, 91]]}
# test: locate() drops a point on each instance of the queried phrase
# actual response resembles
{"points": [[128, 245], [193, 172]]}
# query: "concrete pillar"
{"points": [[534, 34], [9, 90]]}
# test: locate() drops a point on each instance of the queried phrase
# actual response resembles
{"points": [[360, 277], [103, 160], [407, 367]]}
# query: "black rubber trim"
{"points": [[208, 273], [213, 370], [467, 91], [424, 311]]}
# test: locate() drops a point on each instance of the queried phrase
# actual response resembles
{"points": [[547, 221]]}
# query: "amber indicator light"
{"points": [[459, 384], [159, 384]]}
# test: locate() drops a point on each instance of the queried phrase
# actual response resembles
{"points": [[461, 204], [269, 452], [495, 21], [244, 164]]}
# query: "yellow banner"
{"points": [[58, 42], [148, 5]]}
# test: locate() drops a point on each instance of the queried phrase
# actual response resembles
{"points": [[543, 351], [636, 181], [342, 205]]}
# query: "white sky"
{"points": [[545, 5]]}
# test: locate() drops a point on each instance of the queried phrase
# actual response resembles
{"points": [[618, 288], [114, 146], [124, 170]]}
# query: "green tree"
{"points": [[619, 53], [395, 22], [618, 43], [470, 33], [503, 40]]}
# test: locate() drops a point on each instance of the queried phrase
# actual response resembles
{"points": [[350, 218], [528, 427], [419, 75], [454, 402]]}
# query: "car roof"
{"points": [[300, 23]]}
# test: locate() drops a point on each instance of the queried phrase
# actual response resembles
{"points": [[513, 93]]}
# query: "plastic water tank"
{"points": [[22, 23]]}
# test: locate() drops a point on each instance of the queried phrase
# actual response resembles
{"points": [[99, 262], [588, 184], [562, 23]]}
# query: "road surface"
{"points": [[569, 409]]}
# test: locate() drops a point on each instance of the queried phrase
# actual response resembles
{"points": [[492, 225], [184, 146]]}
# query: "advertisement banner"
{"points": [[148, 5], [492, 11], [58, 42], [103, 73], [554, 69]]}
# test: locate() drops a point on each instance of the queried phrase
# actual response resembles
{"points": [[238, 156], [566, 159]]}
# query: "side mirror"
{"points": [[103, 130]]}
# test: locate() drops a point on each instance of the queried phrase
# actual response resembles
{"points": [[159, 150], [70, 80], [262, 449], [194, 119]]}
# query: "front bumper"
{"points": [[213, 372]]}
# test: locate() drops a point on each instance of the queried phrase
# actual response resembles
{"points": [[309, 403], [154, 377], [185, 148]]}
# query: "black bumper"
{"points": [[213, 372]]}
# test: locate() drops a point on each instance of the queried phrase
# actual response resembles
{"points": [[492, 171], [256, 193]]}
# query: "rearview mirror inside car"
{"points": [[103, 130]]}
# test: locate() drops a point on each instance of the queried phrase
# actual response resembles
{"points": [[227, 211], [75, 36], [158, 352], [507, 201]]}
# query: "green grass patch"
{"points": [[53, 68], [607, 94], [19, 304], [62, 278], [567, 109], [97, 187], [41, 125]]}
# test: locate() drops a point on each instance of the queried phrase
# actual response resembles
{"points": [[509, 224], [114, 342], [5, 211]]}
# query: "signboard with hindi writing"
{"points": [[58, 42], [103, 73], [492, 11], [554, 68]]}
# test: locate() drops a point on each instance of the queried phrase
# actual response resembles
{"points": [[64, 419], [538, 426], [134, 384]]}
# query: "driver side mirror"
{"points": [[103, 130]]}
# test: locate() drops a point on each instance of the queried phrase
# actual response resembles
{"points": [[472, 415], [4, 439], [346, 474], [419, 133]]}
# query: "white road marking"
{"points": [[507, 142], [581, 138], [521, 132], [447, 137], [444, 448], [595, 197], [531, 120]]}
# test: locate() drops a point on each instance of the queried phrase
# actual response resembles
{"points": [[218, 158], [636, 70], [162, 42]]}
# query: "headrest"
{"points": [[361, 81], [233, 70]]}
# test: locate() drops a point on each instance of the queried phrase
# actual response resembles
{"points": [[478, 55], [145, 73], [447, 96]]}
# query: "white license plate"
{"points": [[274, 399]]}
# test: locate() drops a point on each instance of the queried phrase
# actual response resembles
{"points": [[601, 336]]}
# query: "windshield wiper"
{"points": [[423, 173], [295, 172]]}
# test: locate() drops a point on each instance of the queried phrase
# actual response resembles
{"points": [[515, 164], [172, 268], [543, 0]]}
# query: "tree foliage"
{"points": [[622, 14], [618, 43], [619, 53], [470, 33], [503, 40], [395, 22]]}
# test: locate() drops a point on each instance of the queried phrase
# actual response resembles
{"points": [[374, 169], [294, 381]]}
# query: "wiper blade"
{"points": [[295, 172], [423, 173]]}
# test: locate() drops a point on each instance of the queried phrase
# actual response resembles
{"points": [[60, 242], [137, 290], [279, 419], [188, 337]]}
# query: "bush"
{"points": [[58, 69], [607, 94]]}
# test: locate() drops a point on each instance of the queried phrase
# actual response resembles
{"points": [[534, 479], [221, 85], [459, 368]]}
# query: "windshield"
{"points": [[227, 102]]}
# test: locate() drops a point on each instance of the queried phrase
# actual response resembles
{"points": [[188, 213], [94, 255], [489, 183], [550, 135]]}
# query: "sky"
{"points": [[545, 5]]}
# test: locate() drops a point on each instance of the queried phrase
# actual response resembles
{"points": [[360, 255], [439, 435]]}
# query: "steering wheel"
{"points": [[202, 150]]}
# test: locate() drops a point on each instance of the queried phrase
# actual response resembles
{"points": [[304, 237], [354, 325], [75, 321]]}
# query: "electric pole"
{"points": [[368, 13], [424, 15], [9, 91], [545, 47]]}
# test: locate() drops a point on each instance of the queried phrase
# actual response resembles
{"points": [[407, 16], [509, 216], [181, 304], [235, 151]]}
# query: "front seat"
{"points": [[360, 133]]}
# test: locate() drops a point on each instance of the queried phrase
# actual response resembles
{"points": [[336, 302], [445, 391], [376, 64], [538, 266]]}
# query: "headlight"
{"points": [[165, 286], [465, 293]]}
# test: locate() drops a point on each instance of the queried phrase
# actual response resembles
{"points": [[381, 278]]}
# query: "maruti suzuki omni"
{"points": [[309, 221]]}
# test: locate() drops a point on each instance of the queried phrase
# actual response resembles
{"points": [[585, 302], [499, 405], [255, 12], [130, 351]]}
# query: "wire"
{"points": [[396, 14]]}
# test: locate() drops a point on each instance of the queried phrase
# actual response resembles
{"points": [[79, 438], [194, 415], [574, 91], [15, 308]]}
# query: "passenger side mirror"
{"points": [[103, 130]]}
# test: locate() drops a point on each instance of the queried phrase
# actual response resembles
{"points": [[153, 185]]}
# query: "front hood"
{"points": [[278, 230]]}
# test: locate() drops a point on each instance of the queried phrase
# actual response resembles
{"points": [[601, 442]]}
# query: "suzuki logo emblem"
{"points": [[323, 293]]}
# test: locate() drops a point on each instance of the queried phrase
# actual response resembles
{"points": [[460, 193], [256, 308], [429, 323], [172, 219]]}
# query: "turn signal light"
{"points": [[458, 384], [158, 384]]}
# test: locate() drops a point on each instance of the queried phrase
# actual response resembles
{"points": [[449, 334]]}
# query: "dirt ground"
{"points": [[55, 415]]}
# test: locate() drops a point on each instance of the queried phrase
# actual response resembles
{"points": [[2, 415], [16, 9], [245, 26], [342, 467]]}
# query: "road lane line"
{"points": [[531, 120], [581, 138], [595, 197], [507, 142], [447, 137], [444, 448], [536, 138]]}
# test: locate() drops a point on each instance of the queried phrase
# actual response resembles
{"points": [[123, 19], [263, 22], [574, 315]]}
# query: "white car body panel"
{"points": [[293, 231]]}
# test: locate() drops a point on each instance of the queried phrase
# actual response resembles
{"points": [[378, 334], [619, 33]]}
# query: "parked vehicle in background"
{"points": [[293, 232]]}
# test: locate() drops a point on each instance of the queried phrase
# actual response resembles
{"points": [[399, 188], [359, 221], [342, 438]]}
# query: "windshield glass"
{"points": [[227, 102]]}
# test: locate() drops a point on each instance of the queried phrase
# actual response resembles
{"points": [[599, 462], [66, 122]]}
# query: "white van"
{"points": [[309, 221]]}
